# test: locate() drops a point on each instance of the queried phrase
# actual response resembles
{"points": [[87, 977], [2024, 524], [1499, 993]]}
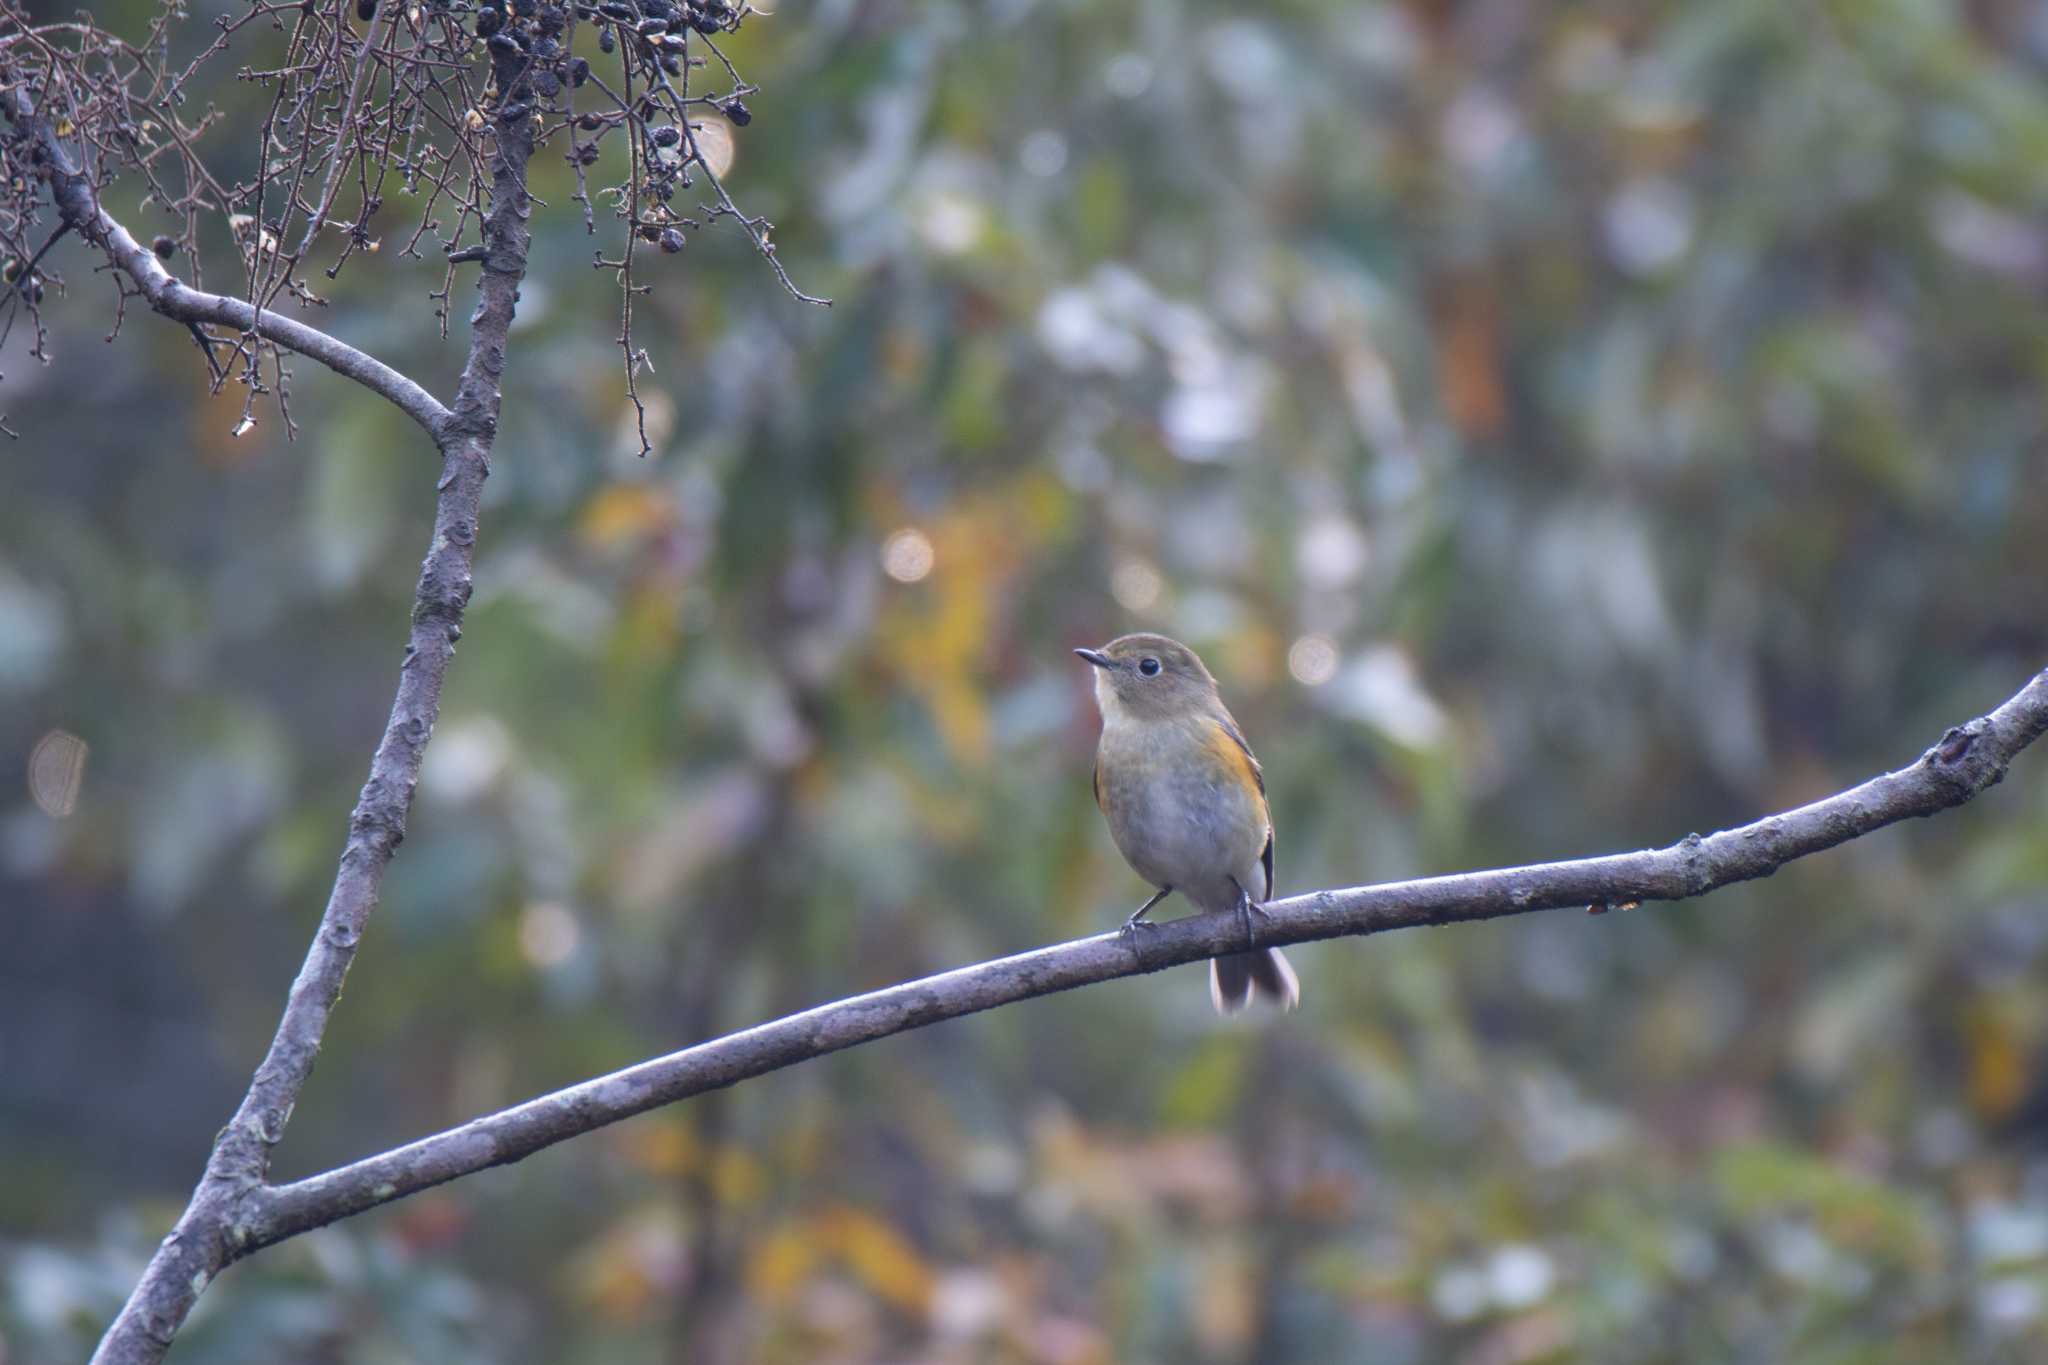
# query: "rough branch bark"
{"points": [[215, 1228], [1964, 762], [73, 194]]}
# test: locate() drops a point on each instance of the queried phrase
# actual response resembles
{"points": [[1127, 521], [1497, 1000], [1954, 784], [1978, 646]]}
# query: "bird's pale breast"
{"points": [[1184, 807]]}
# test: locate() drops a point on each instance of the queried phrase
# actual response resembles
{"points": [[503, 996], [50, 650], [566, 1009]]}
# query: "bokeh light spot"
{"points": [[907, 555], [56, 772], [1313, 660], [715, 144], [1649, 226], [951, 223], [1522, 1275], [1128, 75], [1332, 553], [548, 934], [1135, 585], [1044, 153]]}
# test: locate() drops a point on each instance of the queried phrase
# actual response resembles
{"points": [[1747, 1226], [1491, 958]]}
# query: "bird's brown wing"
{"points": [[1259, 776], [1095, 781]]}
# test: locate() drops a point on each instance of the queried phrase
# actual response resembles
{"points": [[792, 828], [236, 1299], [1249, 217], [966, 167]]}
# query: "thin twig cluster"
{"points": [[102, 93], [369, 104]]}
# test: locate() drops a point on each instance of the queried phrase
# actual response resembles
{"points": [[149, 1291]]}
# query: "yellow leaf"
{"points": [[737, 1177], [625, 511], [864, 1246], [1999, 1066], [883, 1259], [632, 1266], [780, 1263], [664, 1148]]}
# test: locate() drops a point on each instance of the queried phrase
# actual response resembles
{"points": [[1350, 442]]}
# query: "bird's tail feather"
{"points": [[1234, 980]]}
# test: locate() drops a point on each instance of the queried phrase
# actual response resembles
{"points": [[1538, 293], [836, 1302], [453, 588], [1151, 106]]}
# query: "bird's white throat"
{"points": [[1106, 700]]}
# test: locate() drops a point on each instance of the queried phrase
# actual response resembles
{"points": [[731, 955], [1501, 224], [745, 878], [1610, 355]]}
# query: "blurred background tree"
{"points": [[1561, 427]]}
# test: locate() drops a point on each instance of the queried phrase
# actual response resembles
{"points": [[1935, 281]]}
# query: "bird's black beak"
{"points": [[1096, 657]]}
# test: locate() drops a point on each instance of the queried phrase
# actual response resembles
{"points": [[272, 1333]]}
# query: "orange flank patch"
{"points": [[1236, 760]]}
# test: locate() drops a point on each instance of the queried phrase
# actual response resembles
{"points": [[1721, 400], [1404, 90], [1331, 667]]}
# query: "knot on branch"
{"points": [[468, 430], [239, 1156], [162, 1324], [1956, 744], [442, 597], [1696, 877], [379, 817], [1961, 762]]}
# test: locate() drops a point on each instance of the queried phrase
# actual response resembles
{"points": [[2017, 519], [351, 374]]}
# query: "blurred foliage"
{"points": [[1561, 427]]}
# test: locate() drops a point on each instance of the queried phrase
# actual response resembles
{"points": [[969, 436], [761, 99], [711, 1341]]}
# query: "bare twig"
{"points": [[1965, 761], [171, 297], [215, 1228]]}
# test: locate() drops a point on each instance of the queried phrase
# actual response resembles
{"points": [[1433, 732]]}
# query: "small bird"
{"points": [[1186, 801]]}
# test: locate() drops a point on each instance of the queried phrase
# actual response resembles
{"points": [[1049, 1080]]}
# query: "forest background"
{"points": [[1562, 427]]}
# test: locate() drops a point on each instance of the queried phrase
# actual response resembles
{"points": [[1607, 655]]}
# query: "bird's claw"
{"points": [[1138, 915], [1129, 933], [1247, 908]]}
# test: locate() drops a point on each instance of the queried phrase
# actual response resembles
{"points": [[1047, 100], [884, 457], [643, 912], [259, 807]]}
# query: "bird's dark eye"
{"points": [[1148, 666]]}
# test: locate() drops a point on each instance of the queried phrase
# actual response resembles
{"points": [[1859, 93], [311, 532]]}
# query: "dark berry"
{"points": [[587, 154], [579, 72], [164, 248], [514, 111], [671, 241], [590, 123], [666, 137], [605, 41], [489, 21], [526, 9], [366, 10], [546, 84], [739, 113], [649, 232], [671, 65]]}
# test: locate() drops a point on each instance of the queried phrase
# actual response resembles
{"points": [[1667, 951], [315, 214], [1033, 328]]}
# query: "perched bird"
{"points": [[1186, 802]]}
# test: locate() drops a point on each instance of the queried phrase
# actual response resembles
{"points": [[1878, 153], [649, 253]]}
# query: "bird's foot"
{"points": [[1137, 920], [1247, 910]]}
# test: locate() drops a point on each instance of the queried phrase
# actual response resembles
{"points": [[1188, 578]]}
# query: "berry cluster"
{"points": [[652, 40]]}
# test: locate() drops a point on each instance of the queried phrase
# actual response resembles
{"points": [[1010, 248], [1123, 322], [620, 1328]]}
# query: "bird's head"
{"points": [[1149, 677]]}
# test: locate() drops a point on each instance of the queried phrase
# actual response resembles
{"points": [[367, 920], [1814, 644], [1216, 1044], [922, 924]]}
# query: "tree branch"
{"points": [[1964, 762], [80, 208], [216, 1226]]}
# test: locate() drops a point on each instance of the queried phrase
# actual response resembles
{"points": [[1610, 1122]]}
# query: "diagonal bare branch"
{"points": [[215, 1228], [1966, 760]]}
